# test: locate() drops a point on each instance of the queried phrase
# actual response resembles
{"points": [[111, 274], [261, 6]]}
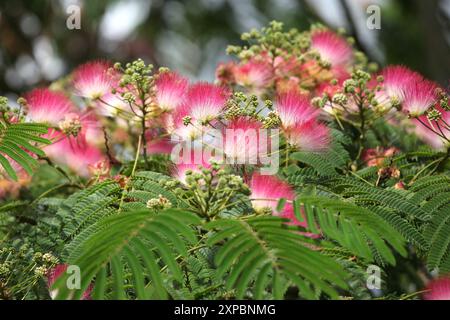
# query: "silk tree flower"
{"points": [[57, 272], [419, 97], [74, 153], [47, 106], [310, 136], [171, 90], [294, 108], [254, 74], [80, 156], [397, 79], [267, 190], [332, 48], [111, 104], [438, 289], [204, 102], [94, 79], [157, 143], [241, 141]]}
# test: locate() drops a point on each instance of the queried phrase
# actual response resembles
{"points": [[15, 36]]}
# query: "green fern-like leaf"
{"points": [[353, 227], [133, 241], [261, 251], [16, 144]]}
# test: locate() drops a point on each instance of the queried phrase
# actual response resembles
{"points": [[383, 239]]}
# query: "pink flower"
{"points": [[419, 97], [79, 157], [94, 79], [294, 108], [74, 153], [111, 105], [439, 289], [254, 74], [58, 271], [204, 102], [157, 144], [332, 48], [397, 79], [309, 136], [267, 191], [171, 89], [48, 106], [241, 141]]}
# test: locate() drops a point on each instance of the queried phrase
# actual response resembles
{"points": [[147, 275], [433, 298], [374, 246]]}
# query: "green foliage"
{"points": [[358, 229], [126, 250], [260, 250], [16, 143]]}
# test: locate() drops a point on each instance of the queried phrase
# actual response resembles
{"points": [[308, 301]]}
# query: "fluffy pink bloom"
{"points": [[204, 102], [241, 141], [309, 136], [57, 272], [254, 74], [419, 97], [94, 79], [294, 108], [397, 79], [171, 89], [75, 153], [439, 289], [157, 144], [48, 106], [111, 105], [331, 47], [267, 190], [79, 157]]}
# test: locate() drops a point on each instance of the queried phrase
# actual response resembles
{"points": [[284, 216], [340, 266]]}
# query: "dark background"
{"points": [[190, 36]]}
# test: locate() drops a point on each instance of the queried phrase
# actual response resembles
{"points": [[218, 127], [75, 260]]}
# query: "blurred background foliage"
{"points": [[190, 36]]}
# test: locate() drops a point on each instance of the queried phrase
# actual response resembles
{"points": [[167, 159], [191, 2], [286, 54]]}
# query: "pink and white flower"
{"points": [[204, 102], [294, 108], [255, 74], [332, 47], [171, 90], [94, 79], [241, 141], [419, 97], [438, 289], [47, 106], [397, 79], [310, 136], [267, 190]]}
